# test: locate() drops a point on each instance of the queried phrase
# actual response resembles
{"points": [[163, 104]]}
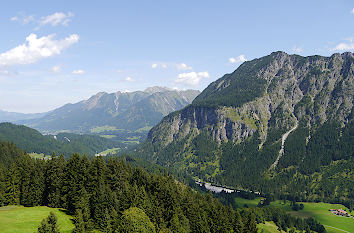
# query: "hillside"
{"points": [[270, 126], [127, 111], [30, 140]]}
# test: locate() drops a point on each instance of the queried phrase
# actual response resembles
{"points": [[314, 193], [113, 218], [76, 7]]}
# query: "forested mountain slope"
{"points": [[30, 140], [234, 131], [110, 196]]}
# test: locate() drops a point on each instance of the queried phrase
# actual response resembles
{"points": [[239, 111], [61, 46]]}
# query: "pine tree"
{"points": [[49, 224], [251, 225], [12, 186]]}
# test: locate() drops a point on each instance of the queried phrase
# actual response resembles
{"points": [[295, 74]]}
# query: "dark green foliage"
{"points": [[31, 140], [49, 224], [238, 88], [135, 220], [111, 196]]}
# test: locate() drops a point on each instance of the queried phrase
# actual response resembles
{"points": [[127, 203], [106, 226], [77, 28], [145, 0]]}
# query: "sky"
{"points": [[58, 52]]}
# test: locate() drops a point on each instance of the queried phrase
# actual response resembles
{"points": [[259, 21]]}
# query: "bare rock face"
{"points": [[290, 88]]}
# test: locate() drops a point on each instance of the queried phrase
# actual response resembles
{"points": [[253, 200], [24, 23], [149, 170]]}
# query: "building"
{"points": [[340, 212]]}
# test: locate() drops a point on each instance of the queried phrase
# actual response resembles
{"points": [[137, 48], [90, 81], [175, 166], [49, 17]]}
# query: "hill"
{"points": [[30, 140], [277, 124]]}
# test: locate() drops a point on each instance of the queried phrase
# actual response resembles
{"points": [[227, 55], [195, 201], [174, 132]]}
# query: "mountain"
{"points": [[276, 125], [14, 116], [30, 140], [120, 110]]}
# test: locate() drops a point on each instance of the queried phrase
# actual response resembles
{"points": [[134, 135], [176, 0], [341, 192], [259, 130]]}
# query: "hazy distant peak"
{"points": [[155, 89]]}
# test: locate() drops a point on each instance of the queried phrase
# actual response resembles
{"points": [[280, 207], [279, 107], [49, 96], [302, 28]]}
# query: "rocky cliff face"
{"points": [[313, 88]]}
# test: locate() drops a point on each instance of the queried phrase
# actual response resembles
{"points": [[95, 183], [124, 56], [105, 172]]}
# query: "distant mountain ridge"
{"points": [[122, 110], [6, 116]]}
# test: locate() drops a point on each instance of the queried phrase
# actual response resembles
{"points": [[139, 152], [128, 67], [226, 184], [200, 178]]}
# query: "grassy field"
{"points": [[102, 129], [19, 219], [332, 223], [110, 151], [250, 203]]}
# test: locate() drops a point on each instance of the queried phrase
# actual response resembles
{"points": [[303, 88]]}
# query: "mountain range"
{"points": [[120, 111], [280, 124]]}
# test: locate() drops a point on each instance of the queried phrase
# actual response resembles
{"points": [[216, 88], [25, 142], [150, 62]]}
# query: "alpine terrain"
{"points": [[280, 124]]}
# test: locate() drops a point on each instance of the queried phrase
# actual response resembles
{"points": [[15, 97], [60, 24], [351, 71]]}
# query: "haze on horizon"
{"points": [[55, 53]]}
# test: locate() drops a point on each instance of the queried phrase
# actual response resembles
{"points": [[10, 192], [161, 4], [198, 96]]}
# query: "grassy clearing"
{"points": [[250, 203], [109, 136], [39, 156], [320, 211], [102, 129], [19, 219], [110, 151], [332, 223]]}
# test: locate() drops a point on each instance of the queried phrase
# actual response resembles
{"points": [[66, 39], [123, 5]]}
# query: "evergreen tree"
{"points": [[12, 186], [49, 224], [251, 225]]}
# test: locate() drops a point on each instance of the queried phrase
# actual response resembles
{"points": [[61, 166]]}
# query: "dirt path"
{"points": [[283, 139], [336, 228]]}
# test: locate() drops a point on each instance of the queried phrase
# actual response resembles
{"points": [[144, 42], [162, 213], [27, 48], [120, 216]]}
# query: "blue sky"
{"points": [[58, 52]]}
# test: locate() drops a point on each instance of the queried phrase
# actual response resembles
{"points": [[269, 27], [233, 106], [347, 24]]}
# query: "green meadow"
{"points": [[320, 211], [332, 222], [19, 219]]}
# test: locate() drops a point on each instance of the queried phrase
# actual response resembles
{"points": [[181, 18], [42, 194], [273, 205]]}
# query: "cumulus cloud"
{"points": [[36, 49], [191, 78], [183, 66], [352, 11], [56, 69], [129, 79], [154, 66], [343, 47], [79, 72], [58, 18], [296, 49], [238, 59]]}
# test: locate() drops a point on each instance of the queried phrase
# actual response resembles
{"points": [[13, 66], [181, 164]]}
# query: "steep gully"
{"points": [[283, 139]]}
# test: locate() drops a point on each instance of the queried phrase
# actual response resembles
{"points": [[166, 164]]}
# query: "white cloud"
{"points": [[343, 46], [5, 72], [352, 11], [36, 49], [191, 78], [296, 49], [56, 69], [183, 66], [58, 18], [79, 72], [129, 79], [155, 65], [238, 59], [24, 19]]}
